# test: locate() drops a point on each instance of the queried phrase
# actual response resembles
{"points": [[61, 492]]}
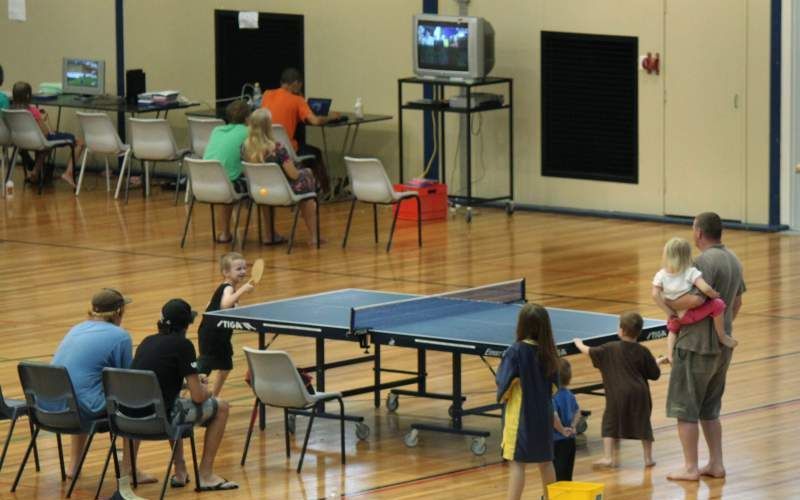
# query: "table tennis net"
{"points": [[396, 313]]}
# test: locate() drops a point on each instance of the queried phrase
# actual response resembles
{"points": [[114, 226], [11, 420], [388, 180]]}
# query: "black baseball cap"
{"points": [[177, 313]]}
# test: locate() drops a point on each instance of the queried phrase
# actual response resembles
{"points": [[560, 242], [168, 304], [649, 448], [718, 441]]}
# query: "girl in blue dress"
{"points": [[526, 381]]}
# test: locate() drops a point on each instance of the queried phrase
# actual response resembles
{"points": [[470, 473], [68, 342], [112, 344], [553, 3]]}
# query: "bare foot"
{"points": [[145, 478], [604, 462], [313, 243], [68, 179], [649, 463], [684, 475], [717, 472], [729, 341]]}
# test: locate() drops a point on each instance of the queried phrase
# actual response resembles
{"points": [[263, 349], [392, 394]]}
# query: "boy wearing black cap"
{"points": [[172, 357]]}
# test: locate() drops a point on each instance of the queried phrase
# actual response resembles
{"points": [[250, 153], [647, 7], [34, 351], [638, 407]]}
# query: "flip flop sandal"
{"points": [[175, 483], [220, 486]]}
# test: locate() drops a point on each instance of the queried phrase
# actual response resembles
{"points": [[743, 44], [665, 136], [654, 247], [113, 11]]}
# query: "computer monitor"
{"points": [[459, 48], [83, 76]]}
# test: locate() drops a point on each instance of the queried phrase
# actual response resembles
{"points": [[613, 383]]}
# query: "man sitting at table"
{"points": [[289, 108]]}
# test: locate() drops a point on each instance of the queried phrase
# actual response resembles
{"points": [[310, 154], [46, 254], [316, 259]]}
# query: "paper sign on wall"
{"points": [[248, 20], [16, 10]]}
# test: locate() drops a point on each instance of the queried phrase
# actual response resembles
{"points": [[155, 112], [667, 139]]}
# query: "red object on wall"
{"points": [[432, 198], [651, 63]]}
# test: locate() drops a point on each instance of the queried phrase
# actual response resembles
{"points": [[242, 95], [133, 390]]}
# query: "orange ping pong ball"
{"points": [[263, 191]]}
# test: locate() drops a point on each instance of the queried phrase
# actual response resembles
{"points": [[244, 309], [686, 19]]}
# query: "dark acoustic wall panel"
{"points": [[256, 55], [590, 107]]}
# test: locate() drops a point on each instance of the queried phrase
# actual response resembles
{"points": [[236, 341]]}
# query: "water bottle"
{"points": [[257, 95], [9, 188], [359, 108]]}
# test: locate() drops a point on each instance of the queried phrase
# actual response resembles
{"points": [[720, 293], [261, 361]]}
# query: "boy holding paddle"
{"points": [[216, 350]]}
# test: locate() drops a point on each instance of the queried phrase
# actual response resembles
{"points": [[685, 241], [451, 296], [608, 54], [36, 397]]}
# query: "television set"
{"points": [[452, 47], [83, 76]]}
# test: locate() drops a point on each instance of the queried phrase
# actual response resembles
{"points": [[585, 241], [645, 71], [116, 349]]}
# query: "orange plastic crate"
{"points": [[433, 201]]}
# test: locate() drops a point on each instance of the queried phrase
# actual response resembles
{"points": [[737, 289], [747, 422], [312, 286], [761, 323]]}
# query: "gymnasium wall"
{"points": [[360, 47]]}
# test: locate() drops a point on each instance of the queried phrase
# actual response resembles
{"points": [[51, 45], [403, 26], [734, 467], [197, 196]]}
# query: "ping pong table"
{"points": [[478, 321]]}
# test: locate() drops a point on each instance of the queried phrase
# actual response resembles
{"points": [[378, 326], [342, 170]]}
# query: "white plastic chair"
{"points": [[210, 184], [370, 184], [152, 141], [199, 133], [6, 159], [276, 383], [270, 177], [26, 134], [283, 137], [100, 136]]}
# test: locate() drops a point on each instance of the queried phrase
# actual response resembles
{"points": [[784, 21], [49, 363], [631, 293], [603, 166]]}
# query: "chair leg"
{"points": [[349, 220], [134, 475], [61, 458], [178, 181], [249, 432], [83, 169], [294, 228], [213, 225], [146, 179], [247, 223], [194, 461], [286, 431], [121, 174], [419, 220], [305, 441], [128, 182], [72, 157], [258, 220], [80, 462], [316, 203], [8, 441], [175, 444], [35, 448], [394, 223], [375, 221], [108, 175], [341, 425], [111, 450], [236, 225], [25, 459], [188, 219]]}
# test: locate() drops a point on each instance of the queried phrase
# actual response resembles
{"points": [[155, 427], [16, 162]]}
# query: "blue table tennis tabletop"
{"points": [[484, 322]]}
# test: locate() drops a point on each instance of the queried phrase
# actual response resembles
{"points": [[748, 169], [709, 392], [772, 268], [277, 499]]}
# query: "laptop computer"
{"points": [[320, 106]]}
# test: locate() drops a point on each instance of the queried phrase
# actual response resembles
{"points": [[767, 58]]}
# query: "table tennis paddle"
{"points": [[257, 272]]}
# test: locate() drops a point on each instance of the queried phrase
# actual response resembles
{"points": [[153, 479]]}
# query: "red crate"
{"points": [[433, 200]]}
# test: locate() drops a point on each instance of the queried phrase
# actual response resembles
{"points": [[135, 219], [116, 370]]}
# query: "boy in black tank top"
{"points": [[216, 350]]}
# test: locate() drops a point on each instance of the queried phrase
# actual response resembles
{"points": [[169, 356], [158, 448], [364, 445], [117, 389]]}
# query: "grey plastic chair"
{"points": [[270, 176], [276, 383], [209, 183], [6, 160], [100, 136], [152, 141], [53, 407], [136, 411], [12, 409], [283, 137], [199, 132], [26, 134], [370, 184]]}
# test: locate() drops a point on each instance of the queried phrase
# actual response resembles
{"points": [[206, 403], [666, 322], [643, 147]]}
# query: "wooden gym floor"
{"points": [[56, 250]]}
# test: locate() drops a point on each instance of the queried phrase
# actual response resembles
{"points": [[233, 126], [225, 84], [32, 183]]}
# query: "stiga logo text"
{"points": [[658, 334], [235, 325]]}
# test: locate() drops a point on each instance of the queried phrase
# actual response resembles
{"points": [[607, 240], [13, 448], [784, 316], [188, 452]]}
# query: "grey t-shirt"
{"points": [[722, 270]]}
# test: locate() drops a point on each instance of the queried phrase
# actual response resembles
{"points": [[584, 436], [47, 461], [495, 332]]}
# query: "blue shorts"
{"points": [[61, 136]]}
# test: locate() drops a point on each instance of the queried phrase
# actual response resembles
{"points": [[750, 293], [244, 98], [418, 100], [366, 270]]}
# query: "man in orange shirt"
{"points": [[289, 108]]}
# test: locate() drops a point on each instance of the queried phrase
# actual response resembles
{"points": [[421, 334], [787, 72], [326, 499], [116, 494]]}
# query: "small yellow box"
{"points": [[572, 490]]}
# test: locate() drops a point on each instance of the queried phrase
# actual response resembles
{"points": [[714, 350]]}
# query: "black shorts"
{"points": [[240, 185], [216, 350]]}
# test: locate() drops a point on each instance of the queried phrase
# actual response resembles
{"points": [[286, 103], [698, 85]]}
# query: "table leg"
{"points": [[456, 390], [320, 368], [262, 410], [377, 364], [421, 370]]}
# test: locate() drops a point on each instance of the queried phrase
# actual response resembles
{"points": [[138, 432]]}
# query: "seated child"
{"points": [[677, 278], [565, 419], [626, 366], [216, 350]]}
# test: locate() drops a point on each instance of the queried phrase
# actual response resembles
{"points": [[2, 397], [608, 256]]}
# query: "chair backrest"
{"points": [[99, 133], [25, 132], [210, 183], [152, 139], [5, 134], [199, 133], [135, 404], [275, 379], [368, 180], [51, 399], [5, 411], [268, 176], [279, 131]]}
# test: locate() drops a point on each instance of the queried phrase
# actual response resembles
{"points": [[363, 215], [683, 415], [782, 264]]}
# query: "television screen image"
{"points": [[443, 45], [82, 73]]}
